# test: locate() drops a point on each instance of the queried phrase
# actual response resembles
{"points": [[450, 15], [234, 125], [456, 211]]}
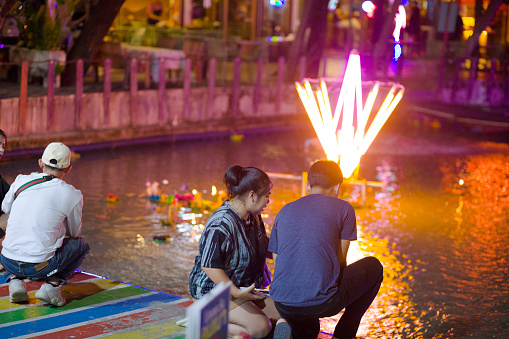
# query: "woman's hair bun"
{"points": [[233, 175], [240, 180]]}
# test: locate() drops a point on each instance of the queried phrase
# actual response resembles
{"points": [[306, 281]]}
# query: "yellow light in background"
{"points": [[483, 39], [214, 190], [348, 143], [468, 26]]}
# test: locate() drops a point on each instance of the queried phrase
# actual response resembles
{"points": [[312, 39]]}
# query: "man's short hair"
{"points": [[54, 168], [325, 173]]}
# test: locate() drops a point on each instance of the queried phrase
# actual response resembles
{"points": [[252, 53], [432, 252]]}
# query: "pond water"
{"points": [[444, 246]]}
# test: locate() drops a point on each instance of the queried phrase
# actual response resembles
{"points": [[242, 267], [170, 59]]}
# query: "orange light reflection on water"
{"points": [[392, 314], [479, 240], [455, 251], [392, 311]]}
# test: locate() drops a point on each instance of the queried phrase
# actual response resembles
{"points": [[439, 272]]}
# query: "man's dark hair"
{"points": [[325, 173], [54, 168]]}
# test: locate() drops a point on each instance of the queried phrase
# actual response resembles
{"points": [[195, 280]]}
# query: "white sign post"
{"points": [[208, 317]]}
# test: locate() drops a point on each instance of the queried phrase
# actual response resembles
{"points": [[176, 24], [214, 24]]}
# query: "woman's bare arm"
{"points": [[218, 275]]}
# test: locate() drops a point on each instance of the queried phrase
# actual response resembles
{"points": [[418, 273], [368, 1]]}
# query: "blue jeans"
{"points": [[358, 286], [62, 265]]}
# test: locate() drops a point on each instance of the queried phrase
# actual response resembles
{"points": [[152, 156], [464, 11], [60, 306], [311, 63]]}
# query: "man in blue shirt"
{"points": [[310, 240]]}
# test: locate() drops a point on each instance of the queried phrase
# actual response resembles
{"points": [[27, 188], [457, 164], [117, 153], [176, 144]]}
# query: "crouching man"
{"points": [[41, 241], [309, 241]]}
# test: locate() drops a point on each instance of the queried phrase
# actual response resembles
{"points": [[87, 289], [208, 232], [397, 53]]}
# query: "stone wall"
{"points": [[143, 116]]}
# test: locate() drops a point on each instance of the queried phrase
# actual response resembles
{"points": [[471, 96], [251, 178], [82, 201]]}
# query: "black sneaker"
{"points": [[283, 331]]}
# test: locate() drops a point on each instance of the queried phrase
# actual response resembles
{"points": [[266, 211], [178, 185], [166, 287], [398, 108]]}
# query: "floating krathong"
{"points": [[346, 136]]}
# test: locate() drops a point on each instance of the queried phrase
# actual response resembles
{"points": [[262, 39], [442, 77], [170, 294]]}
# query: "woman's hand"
{"points": [[218, 275], [245, 293]]}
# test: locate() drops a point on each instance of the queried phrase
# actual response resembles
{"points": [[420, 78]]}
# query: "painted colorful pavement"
{"points": [[96, 307]]}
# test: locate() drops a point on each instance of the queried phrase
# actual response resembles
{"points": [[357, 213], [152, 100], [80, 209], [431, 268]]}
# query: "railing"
{"points": [[363, 183], [104, 97], [245, 71], [302, 178], [475, 81]]}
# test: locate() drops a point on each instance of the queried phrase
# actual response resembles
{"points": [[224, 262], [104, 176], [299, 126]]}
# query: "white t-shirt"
{"points": [[40, 218]]}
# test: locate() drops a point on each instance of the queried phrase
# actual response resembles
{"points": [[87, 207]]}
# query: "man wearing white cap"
{"points": [[41, 241]]}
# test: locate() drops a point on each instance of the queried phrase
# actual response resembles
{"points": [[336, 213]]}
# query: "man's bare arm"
{"points": [[3, 221], [342, 251]]}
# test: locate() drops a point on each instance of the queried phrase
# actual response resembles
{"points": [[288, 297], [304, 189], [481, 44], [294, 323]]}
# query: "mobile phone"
{"points": [[264, 292]]}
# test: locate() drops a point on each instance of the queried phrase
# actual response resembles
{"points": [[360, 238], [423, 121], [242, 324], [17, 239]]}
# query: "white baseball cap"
{"points": [[57, 155]]}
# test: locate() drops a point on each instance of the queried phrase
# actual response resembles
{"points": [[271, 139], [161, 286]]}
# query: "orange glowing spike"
{"points": [[343, 135]]}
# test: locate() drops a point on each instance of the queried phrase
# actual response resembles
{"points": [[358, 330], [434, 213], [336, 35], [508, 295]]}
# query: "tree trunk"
{"points": [[309, 40], [480, 25], [479, 9], [102, 15], [380, 47], [4, 11]]}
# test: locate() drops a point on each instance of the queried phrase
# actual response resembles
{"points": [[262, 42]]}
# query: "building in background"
{"points": [[248, 20]]}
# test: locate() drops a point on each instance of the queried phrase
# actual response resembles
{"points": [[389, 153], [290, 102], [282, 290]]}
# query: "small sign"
{"points": [[208, 317]]}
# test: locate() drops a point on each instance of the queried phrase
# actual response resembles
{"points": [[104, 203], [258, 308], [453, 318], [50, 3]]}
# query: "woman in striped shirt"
{"points": [[233, 247]]}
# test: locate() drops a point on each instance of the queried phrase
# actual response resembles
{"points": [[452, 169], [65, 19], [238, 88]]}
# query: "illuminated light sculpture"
{"points": [[397, 51], [346, 136], [399, 23]]}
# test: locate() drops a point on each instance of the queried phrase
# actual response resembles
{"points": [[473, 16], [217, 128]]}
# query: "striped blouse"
{"points": [[235, 245]]}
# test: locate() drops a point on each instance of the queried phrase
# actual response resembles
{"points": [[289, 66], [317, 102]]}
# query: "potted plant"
{"points": [[42, 27]]}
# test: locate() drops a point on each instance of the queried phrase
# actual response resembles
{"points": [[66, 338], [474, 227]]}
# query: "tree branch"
{"points": [[102, 15], [480, 26]]}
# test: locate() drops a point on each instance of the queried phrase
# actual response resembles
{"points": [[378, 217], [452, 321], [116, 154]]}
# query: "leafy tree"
{"points": [[41, 25], [5, 9]]}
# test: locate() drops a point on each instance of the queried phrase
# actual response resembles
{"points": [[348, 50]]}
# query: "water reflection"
{"points": [[444, 246], [479, 242]]}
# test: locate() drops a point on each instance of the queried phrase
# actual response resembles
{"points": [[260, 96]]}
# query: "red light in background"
{"points": [[369, 7]]}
